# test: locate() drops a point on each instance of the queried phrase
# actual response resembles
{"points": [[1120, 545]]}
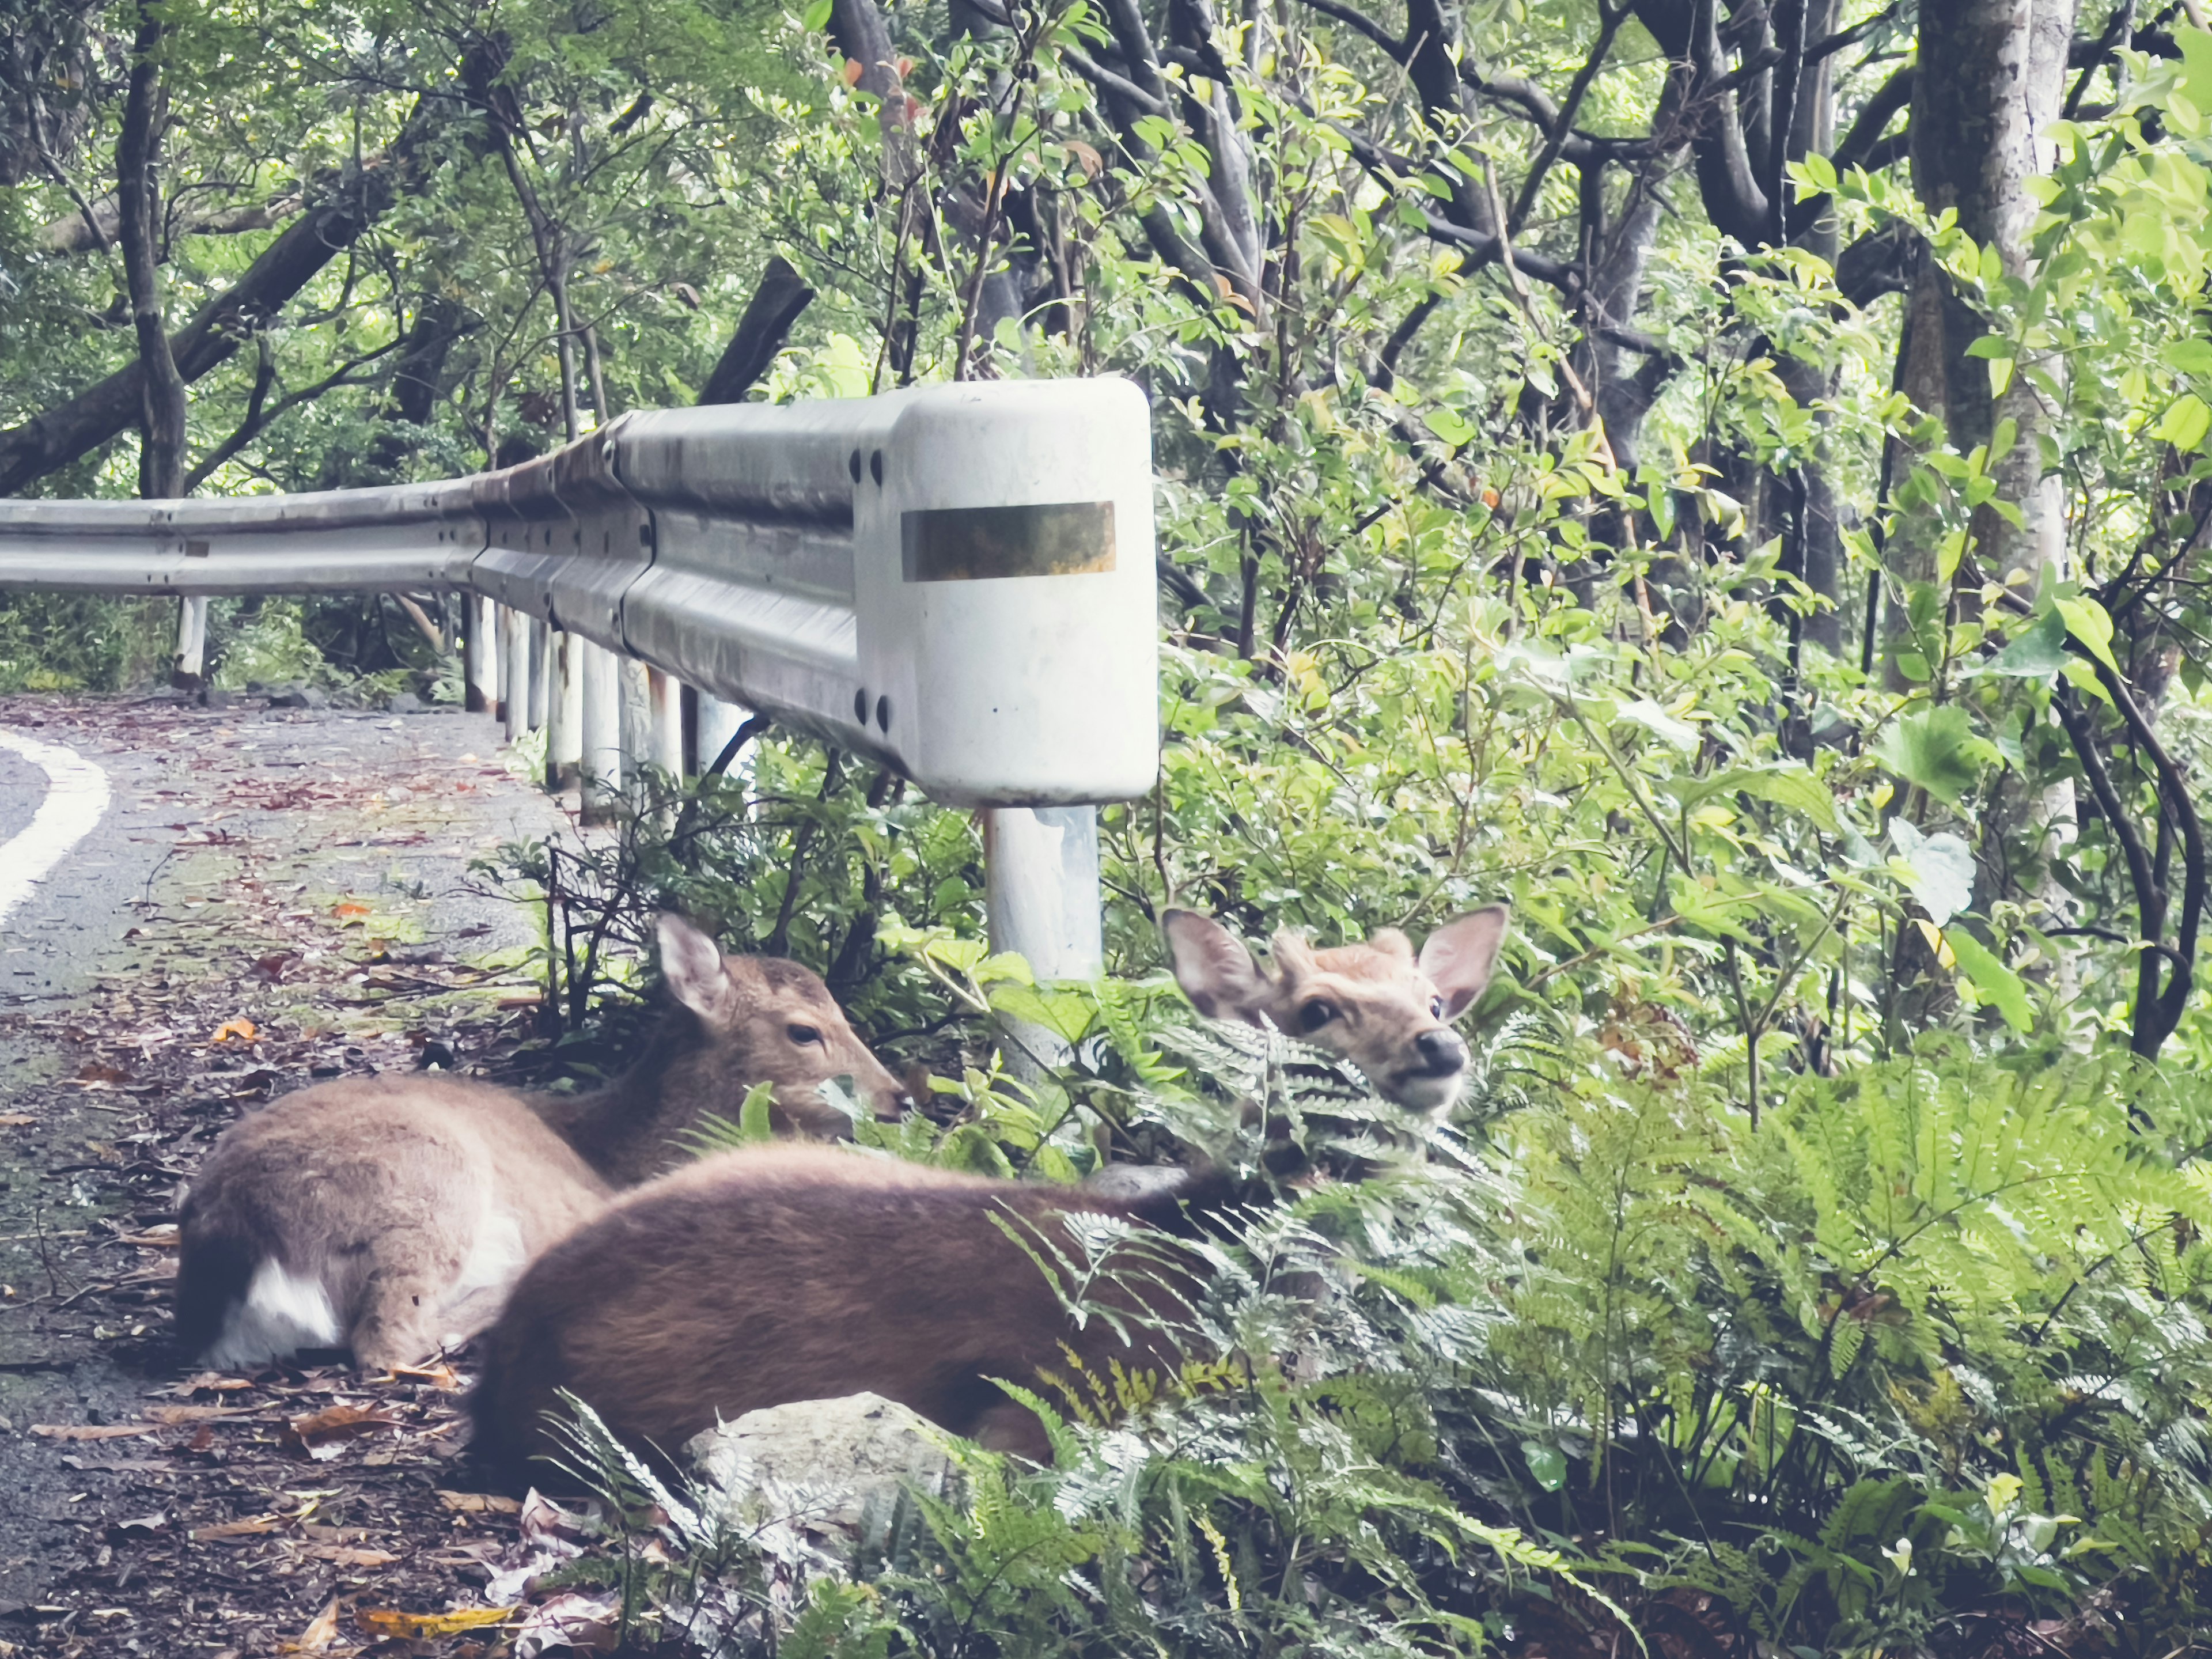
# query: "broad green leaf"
{"points": [[1790, 786], [754, 1123], [1936, 749], [1657, 721], [2186, 423], [1939, 869], [1547, 1465], [2087, 620], [1999, 987], [2035, 652]]}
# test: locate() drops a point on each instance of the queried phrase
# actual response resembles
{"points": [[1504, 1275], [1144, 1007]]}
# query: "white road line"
{"points": [[76, 795]]}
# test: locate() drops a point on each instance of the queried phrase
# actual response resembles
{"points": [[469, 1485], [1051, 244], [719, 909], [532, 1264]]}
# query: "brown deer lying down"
{"points": [[383, 1213], [1376, 1005], [759, 1278], [776, 1274]]}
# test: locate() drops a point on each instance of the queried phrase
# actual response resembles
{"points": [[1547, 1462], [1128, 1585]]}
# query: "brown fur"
{"points": [[774, 1275], [1376, 1005], [386, 1214]]}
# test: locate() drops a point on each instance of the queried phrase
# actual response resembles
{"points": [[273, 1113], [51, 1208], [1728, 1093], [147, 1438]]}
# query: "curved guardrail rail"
{"points": [[956, 580]]}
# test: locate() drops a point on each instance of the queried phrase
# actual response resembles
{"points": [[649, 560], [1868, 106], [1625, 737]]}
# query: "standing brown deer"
{"points": [[385, 1213], [759, 1278]]}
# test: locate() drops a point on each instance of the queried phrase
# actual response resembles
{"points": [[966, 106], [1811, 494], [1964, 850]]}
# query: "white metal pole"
{"points": [[1041, 887], [514, 672], [599, 723], [541, 673], [665, 694], [636, 719], [482, 663], [190, 665], [564, 725]]}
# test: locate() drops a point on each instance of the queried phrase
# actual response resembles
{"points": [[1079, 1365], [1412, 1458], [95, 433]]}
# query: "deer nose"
{"points": [[1441, 1050]]}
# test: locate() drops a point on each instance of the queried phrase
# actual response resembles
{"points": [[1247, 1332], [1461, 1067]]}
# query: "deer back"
{"points": [[775, 1274]]}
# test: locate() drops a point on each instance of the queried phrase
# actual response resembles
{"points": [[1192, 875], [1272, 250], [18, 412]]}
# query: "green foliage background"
{"points": [[1820, 1262]]}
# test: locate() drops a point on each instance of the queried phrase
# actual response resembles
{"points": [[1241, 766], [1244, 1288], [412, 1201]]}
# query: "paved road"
{"points": [[249, 862]]}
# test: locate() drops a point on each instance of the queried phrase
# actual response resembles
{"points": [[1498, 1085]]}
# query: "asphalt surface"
{"points": [[233, 837]]}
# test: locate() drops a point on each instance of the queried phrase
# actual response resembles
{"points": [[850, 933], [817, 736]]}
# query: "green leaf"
{"points": [[2035, 652], [1999, 986], [1547, 1465], [1657, 721], [1790, 786], [1939, 869], [754, 1123], [2087, 620], [2185, 424], [1938, 749], [815, 17]]}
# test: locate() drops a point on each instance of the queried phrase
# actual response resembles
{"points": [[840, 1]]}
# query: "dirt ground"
{"points": [[274, 897]]}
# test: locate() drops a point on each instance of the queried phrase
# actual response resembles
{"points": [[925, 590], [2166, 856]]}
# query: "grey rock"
{"points": [[210, 697], [819, 1477], [315, 697], [292, 696], [404, 702]]}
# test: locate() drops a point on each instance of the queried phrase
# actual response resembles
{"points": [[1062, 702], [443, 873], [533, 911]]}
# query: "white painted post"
{"points": [[514, 672], [564, 726], [481, 666], [599, 727], [191, 664], [636, 724], [541, 673], [664, 692], [1041, 887], [717, 722]]}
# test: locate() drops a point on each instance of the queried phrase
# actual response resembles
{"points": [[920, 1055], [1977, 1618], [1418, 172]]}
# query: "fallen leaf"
{"points": [[241, 1028], [345, 1555], [442, 1377], [350, 908], [174, 1415], [320, 1635], [479, 1502], [17, 1120], [252, 1527], [322, 1435], [144, 1525], [416, 1626], [91, 1431], [93, 1072], [270, 967]]}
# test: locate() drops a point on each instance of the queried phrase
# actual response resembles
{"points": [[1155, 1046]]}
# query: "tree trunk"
{"points": [[161, 389]]}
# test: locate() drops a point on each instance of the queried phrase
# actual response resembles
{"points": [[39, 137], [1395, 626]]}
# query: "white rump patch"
{"points": [[280, 1315]]}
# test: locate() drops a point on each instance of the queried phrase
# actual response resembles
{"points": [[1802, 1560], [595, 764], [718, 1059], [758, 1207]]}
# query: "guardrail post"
{"points": [[636, 726], [480, 654], [1041, 887], [514, 671], [600, 756], [191, 664], [564, 722], [541, 674], [665, 748]]}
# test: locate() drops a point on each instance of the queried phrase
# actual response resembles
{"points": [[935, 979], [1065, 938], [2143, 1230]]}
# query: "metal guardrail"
{"points": [[956, 580]]}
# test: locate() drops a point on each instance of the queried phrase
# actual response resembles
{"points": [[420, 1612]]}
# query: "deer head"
{"points": [[1376, 1005], [765, 1020]]}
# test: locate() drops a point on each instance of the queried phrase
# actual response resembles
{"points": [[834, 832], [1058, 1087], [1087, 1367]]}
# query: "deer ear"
{"points": [[691, 968], [1458, 957], [1211, 964]]}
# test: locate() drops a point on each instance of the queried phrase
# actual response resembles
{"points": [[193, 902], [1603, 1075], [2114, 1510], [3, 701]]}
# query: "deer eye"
{"points": [[1314, 1015], [802, 1034], [1436, 1008]]}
